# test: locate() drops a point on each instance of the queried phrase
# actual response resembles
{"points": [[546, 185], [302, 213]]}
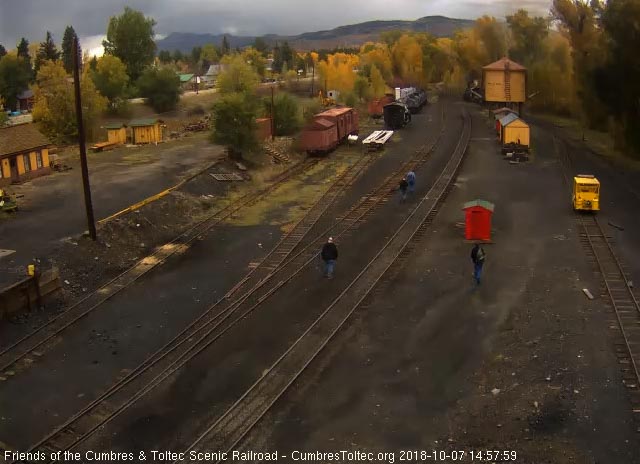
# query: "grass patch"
{"points": [[598, 141]]}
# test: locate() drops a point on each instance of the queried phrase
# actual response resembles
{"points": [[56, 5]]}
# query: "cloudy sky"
{"points": [[31, 18]]}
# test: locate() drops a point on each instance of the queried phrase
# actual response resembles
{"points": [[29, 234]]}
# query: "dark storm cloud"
{"points": [[31, 18]]}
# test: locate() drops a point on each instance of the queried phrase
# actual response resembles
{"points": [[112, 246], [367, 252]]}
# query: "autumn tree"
{"points": [[528, 36], [255, 59], [378, 85], [161, 88], [234, 123], [286, 119], [238, 76], [337, 72], [361, 88], [14, 78], [111, 79], [67, 48], [130, 38], [46, 51], [379, 55], [407, 59], [209, 55], [617, 81], [579, 22], [54, 106], [492, 35]]}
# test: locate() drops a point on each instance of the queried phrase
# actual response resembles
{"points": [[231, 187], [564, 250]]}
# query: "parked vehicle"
{"points": [[586, 193]]}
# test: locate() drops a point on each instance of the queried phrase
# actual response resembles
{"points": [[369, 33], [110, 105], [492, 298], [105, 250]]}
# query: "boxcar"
{"points": [[376, 106], [319, 137], [346, 120]]}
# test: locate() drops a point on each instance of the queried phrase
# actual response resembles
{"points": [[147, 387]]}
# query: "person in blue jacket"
{"points": [[411, 180]]}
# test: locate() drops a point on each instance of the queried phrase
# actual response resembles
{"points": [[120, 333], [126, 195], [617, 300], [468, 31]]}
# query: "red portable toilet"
{"points": [[478, 220]]}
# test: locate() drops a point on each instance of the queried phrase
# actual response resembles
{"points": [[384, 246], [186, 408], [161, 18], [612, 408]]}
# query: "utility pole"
{"points": [[273, 131], [83, 149]]}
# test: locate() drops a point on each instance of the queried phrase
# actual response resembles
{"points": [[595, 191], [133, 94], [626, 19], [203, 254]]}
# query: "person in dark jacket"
{"points": [[329, 256], [403, 189], [477, 256]]}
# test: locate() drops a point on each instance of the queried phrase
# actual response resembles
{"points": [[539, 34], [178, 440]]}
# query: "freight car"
{"points": [[375, 107], [396, 115], [328, 130]]}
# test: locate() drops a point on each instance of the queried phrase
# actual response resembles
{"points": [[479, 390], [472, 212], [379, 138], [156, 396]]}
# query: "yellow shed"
{"points": [[514, 130], [116, 133], [505, 81], [146, 130]]}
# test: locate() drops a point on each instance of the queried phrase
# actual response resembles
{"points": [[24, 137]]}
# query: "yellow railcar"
{"points": [[586, 193]]}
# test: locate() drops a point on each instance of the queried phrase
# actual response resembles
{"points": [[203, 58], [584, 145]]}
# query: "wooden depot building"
{"points": [[505, 84], [24, 154]]}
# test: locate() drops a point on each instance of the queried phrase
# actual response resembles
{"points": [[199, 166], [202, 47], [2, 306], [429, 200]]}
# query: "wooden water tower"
{"points": [[505, 84]]}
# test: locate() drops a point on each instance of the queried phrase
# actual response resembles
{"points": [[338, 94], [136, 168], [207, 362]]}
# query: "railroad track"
{"points": [[233, 425], [616, 288], [249, 293], [24, 352]]}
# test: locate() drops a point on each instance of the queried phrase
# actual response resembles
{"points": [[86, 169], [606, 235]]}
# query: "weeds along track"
{"points": [[233, 425], [616, 288], [279, 267]]}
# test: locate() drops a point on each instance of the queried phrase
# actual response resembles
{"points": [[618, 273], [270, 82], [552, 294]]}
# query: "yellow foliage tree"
{"points": [[54, 105], [378, 85], [408, 60], [339, 71], [378, 55]]}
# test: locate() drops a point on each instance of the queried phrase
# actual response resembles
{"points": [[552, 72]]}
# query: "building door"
{"points": [[13, 166]]}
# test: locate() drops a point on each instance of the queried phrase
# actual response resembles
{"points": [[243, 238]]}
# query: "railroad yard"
{"points": [[227, 337]]}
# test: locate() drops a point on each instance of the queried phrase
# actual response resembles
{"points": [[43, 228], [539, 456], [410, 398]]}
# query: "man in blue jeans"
{"points": [[329, 255], [477, 256]]}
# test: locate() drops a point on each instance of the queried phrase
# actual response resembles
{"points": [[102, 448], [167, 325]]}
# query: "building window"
{"points": [[39, 159], [27, 163]]}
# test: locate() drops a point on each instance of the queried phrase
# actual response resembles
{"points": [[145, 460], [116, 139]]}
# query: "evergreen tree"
{"points": [[93, 64], [225, 49], [23, 52], [47, 51], [3, 51], [67, 48]]}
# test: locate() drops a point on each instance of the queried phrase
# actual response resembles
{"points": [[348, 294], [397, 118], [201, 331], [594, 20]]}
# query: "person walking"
{"points": [[329, 256], [411, 179], [403, 189], [477, 256]]}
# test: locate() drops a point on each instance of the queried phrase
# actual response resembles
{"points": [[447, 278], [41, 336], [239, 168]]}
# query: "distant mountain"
{"points": [[344, 36]]}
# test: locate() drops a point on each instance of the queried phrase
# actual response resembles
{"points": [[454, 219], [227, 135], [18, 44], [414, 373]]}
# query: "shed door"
{"points": [[478, 224]]}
